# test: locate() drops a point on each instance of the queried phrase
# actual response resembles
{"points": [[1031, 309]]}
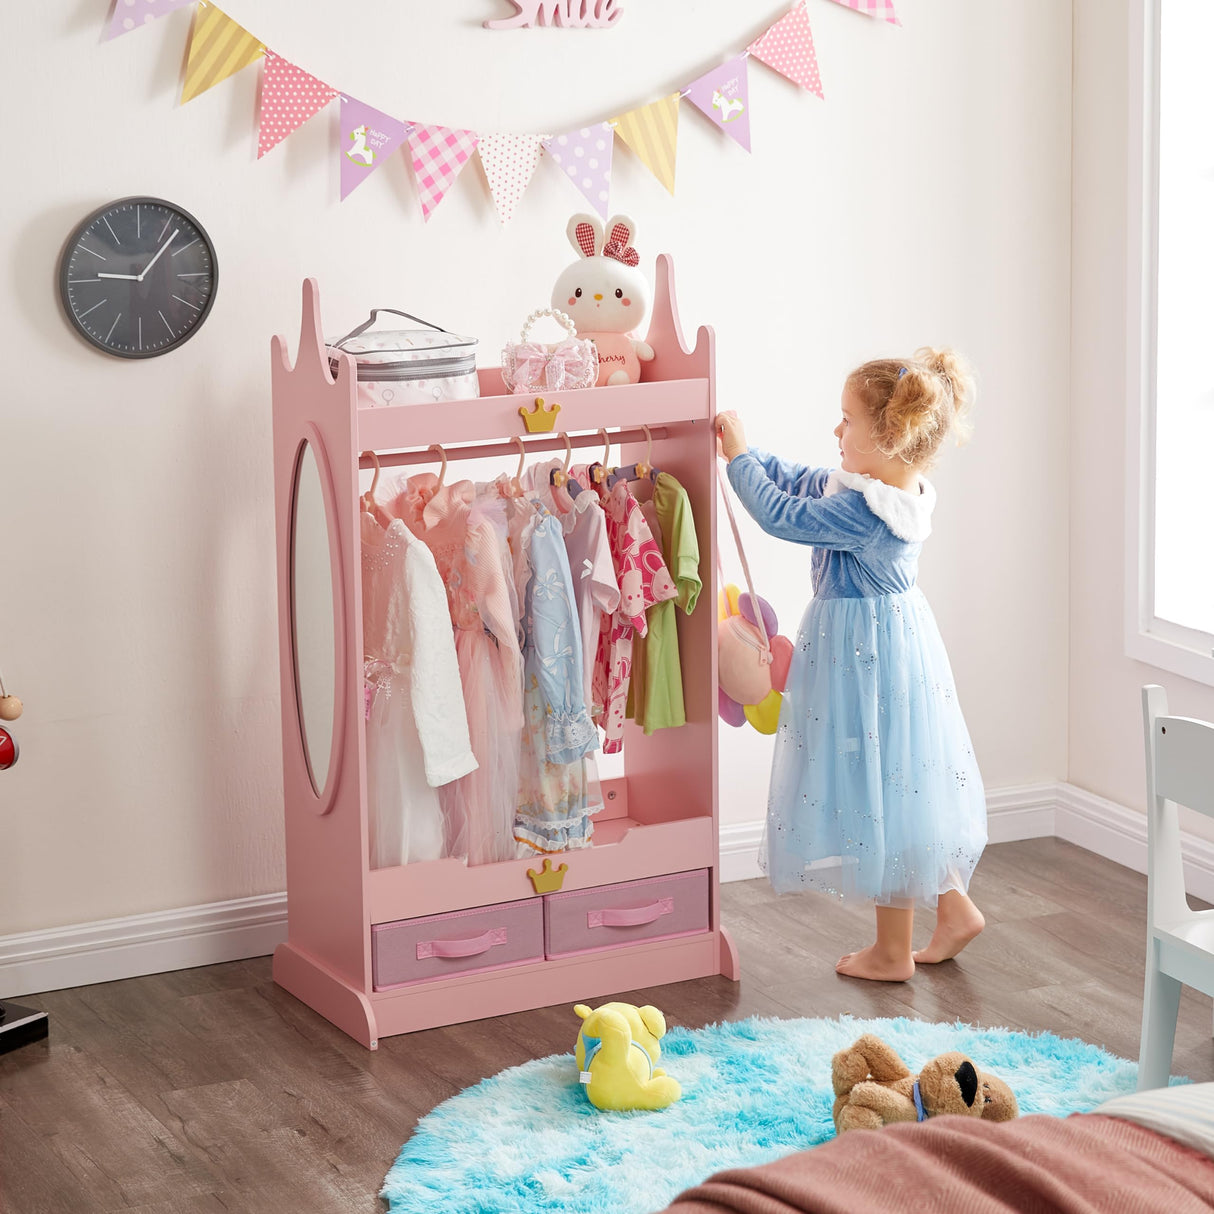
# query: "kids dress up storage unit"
{"points": [[393, 950]]}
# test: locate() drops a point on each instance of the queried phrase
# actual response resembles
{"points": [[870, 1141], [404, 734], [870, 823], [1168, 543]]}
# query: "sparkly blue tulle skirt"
{"points": [[875, 792]]}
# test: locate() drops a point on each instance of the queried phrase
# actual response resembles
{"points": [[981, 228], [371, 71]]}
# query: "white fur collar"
{"points": [[907, 515]]}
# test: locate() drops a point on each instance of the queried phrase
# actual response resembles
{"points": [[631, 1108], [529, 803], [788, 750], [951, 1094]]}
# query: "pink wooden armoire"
{"points": [[392, 950]]}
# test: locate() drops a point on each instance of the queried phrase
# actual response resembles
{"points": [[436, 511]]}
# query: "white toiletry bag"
{"points": [[408, 366]]}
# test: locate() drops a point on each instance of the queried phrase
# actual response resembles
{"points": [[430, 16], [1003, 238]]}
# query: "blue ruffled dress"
{"points": [[875, 792]]}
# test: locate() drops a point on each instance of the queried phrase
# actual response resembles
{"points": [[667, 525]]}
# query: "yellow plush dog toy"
{"points": [[874, 1087], [617, 1051]]}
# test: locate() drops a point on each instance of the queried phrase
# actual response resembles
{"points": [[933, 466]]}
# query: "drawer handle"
{"points": [[472, 946], [630, 916]]}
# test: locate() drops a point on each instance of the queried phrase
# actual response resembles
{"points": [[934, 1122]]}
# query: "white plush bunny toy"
{"points": [[606, 295]]}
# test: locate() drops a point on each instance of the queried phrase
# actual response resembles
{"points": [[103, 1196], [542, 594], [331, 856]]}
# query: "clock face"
{"points": [[138, 277]]}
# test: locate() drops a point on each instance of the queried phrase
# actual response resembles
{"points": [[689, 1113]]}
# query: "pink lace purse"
{"points": [[534, 366]]}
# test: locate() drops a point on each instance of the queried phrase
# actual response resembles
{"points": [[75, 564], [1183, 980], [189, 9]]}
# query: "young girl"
{"points": [[875, 793]]}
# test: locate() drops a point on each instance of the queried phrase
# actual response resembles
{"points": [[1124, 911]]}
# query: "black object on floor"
{"points": [[19, 1025]]}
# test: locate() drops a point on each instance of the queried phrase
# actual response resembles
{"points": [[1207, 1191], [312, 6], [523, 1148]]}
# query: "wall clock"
{"points": [[138, 277]]}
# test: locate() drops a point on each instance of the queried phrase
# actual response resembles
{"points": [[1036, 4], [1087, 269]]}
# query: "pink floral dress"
{"points": [[644, 580]]}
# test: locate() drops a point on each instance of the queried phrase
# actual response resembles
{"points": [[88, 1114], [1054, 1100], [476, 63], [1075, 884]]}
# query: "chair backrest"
{"points": [[1184, 761]]}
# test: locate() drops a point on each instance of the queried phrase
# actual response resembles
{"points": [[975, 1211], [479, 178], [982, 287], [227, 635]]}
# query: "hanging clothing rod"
{"points": [[555, 442]]}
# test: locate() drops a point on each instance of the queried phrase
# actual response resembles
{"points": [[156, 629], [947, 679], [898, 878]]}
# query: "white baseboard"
{"points": [[112, 949]]}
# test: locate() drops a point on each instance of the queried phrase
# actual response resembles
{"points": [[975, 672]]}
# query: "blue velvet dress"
{"points": [[875, 792]]}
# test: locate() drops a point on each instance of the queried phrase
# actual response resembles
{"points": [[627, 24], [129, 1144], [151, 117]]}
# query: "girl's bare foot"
{"points": [[958, 921], [876, 965]]}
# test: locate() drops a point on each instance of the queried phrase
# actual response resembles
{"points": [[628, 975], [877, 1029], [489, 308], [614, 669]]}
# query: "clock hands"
{"points": [[139, 277], [159, 251]]}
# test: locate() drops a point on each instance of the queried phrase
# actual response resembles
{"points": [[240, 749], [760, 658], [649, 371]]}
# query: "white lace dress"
{"points": [[417, 726]]}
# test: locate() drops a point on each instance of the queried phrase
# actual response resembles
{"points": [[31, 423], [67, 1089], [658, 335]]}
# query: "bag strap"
{"points": [[561, 318], [737, 539], [337, 345]]}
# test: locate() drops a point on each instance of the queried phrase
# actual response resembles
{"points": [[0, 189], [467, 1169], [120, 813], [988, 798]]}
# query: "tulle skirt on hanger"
{"points": [[479, 808]]}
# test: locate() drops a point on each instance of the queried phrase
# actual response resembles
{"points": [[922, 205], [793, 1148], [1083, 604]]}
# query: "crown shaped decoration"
{"points": [[548, 880], [540, 419]]}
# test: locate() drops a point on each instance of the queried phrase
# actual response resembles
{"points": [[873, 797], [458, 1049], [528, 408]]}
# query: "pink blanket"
{"points": [[1082, 1164]]}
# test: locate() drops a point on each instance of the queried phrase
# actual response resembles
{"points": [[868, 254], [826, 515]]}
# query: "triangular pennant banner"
{"points": [[438, 154], [131, 14], [788, 46], [509, 162], [218, 48], [873, 8], [289, 97], [652, 132], [722, 94], [368, 138], [584, 156]]}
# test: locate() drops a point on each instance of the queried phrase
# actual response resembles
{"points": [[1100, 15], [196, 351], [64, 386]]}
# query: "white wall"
{"points": [[1106, 746], [927, 200]]}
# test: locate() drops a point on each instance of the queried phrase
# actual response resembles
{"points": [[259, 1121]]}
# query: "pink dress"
{"points": [[643, 580], [467, 536]]}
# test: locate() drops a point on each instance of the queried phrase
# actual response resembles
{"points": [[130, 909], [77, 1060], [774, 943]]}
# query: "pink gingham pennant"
{"points": [[289, 97], [873, 8], [788, 46], [438, 154], [131, 14], [509, 162]]}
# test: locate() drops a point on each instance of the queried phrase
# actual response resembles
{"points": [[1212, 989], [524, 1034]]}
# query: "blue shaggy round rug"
{"points": [[528, 1140]]}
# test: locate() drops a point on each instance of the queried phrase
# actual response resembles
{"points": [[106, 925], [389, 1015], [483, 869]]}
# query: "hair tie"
{"points": [[901, 372]]}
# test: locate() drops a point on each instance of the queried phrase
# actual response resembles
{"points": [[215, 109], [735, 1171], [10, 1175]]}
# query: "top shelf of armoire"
{"points": [[485, 418]]}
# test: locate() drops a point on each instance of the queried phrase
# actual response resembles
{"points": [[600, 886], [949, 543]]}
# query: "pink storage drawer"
{"points": [[609, 915], [461, 942]]}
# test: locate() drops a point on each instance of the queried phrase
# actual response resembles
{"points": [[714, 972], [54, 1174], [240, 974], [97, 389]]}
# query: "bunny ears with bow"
{"points": [[585, 233]]}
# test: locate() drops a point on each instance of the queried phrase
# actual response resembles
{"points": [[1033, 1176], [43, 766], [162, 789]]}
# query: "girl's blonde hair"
{"points": [[914, 404]]}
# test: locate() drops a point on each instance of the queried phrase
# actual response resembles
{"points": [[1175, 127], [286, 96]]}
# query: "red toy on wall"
{"points": [[10, 710]]}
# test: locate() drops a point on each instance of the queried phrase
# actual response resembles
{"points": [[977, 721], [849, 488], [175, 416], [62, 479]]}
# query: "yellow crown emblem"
{"points": [[548, 880], [540, 418]]}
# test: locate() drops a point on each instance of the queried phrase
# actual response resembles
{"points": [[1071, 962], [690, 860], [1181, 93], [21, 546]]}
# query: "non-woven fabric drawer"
{"points": [[610, 915], [462, 942]]}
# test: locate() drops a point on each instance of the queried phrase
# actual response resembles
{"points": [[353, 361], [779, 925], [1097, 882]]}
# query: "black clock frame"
{"points": [[78, 232]]}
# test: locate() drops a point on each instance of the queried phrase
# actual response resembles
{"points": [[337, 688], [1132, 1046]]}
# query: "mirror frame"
{"points": [[324, 798]]}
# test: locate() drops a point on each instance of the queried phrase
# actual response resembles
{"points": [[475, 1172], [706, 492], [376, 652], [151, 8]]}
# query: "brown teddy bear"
{"points": [[874, 1087]]}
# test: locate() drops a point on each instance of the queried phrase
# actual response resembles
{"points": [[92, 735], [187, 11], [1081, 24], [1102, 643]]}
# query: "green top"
{"points": [[655, 695]]}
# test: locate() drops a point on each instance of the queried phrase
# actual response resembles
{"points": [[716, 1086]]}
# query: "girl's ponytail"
{"points": [[915, 404]]}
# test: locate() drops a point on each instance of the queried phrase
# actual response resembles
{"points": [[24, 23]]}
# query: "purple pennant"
{"points": [[130, 14], [584, 156], [722, 94], [368, 137]]}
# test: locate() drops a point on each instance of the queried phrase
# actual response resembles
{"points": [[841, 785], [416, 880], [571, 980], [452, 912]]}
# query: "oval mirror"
{"points": [[312, 624]]}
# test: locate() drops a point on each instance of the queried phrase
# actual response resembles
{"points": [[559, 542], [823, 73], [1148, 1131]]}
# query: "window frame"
{"points": [[1161, 643]]}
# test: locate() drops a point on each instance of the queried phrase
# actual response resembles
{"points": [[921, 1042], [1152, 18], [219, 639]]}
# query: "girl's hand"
{"points": [[731, 438]]}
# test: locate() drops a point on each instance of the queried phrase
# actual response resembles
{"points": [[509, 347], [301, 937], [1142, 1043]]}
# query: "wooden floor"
{"points": [[212, 1090]]}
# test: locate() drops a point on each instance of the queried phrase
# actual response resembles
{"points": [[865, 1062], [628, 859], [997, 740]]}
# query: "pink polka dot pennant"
{"points": [[131, 14], [788, 46], [584, 157], [289, 97], [509, 162], [873, 8]]}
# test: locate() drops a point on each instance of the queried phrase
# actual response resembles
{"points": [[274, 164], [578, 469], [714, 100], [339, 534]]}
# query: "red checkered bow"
{"points": [[617, 246]]}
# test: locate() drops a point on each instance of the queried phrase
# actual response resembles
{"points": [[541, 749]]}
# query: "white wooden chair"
{"points": [[1180, 941]]}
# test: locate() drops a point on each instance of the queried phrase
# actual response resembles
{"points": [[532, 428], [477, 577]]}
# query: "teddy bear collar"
{"points": [[917, 1096], [594, 1044]]}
